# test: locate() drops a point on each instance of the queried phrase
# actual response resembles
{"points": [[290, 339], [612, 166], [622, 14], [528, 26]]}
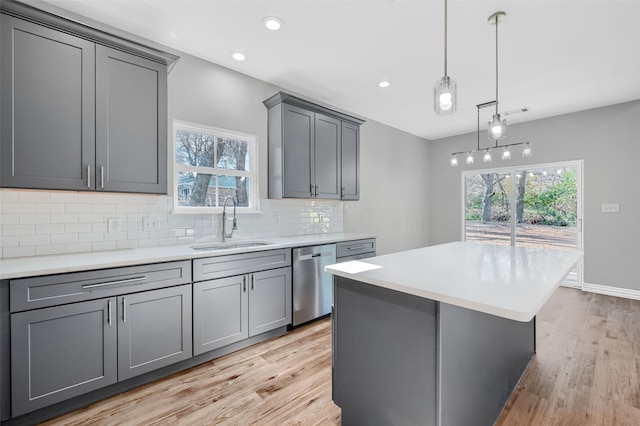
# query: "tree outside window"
{"points": [[213, 166]]}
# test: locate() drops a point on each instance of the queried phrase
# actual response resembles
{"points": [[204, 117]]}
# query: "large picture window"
{"points": [[213, 166]]}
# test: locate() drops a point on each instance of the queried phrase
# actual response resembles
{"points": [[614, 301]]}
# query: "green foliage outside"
{"points": [[549, 199]]}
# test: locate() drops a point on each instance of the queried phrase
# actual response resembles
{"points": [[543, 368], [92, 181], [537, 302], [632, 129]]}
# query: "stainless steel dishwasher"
{"points": [[312, 286]]}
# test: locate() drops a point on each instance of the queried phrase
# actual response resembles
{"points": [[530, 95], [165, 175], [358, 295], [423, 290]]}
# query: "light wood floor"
{"points": [[586, 372]]}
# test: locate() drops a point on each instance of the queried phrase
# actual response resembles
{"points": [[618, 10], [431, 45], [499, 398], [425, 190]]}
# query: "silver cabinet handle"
{"points": [[88, 175], [109, 312], [253, 282], [128, 280], [311, 189], [316, 190], [342, 192], [124, 309], [357, 247], [244, 284], [101, 177]]}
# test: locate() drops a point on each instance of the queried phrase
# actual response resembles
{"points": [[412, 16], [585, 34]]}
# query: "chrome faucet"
{"points": [[224, 220]]}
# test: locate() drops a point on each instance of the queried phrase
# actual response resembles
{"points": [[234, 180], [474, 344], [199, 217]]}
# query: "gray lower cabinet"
{"points": [[76, 114], [154, 330], [61, 352], [228, 310], [220, 313], [240, 296], [64, 351]]}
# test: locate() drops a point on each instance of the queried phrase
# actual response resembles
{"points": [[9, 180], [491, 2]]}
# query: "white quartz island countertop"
{"points": [[509, 282], [55, 264]]}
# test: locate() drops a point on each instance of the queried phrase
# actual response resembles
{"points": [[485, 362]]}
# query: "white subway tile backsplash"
{"points": [[77, 248], [35, 197], [41, 223], [8, 252], [11, 229], [64, 218], [34, 218], [64, 239], [77, 227]]}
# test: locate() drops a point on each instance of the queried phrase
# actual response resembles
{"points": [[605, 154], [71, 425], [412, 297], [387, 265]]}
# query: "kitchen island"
{"points": [[438, 335]]}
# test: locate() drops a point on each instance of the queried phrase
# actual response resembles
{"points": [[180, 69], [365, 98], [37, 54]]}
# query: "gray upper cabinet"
{"points": [[61, 352], [48, 108], [350, 162], [307, 158], [131, 124], [78, 115], [326, 149]]}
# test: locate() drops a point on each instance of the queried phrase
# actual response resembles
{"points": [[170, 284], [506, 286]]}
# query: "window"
{"points": [[213, 166]]}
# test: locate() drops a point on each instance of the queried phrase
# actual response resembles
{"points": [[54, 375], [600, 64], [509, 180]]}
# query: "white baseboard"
{"points": [[611, 291]]}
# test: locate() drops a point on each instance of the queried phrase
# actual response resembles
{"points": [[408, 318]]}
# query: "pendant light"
{"points": [[445, 90], [497, 127]]}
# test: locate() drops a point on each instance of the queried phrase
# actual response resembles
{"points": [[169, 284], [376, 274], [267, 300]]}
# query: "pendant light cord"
{"points": [[445, 38], [496, 64]]}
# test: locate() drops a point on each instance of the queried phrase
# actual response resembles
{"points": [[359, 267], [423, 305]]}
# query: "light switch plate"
{"points": [[610, 207]]}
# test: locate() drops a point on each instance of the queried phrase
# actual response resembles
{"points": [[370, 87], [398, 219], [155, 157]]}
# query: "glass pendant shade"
{"points": [[454, 160], [506, 154], [469, 159], [497, 128], [526, 151], [445, 97], [487, 156]]}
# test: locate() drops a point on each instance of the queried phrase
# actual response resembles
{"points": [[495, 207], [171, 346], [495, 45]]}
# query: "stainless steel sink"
{"points": [[229, 246]]}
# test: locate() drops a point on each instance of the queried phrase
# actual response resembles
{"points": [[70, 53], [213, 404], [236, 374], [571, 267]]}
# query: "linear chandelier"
{"points": [[486, 156]]}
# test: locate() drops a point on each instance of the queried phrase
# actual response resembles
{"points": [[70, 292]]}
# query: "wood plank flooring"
{"points": [[586, 372]]}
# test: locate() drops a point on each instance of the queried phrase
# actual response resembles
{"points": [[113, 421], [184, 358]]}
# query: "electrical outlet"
{"points": [[149, 223], [113, 224], [610, 207]]}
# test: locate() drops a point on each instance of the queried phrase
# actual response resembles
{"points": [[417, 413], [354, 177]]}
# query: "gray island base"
{"points": [[401, 359]]}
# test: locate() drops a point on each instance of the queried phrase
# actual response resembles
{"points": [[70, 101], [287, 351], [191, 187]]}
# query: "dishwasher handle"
{"points": [[311, 256]]}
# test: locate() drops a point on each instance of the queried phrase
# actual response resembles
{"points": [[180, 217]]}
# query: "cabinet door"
{"points": [[61, 352], [48, 108], [269, 300], [327, 157], [154, 330], [298, 156], [350, 161], [131, 123], [220, 313]]}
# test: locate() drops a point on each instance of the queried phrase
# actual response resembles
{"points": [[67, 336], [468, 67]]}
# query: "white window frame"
{"points": [[252, 174]]}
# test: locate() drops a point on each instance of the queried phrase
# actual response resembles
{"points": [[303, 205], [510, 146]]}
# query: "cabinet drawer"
{"points": [[236, 264], [51, 290], [350, 248]]}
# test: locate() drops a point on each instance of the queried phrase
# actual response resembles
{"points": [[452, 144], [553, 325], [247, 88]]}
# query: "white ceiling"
{"points": [[556, 56]]}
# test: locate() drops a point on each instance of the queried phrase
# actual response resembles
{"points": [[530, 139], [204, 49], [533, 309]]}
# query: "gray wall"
{"points": [[393, 183], [394, 189], [606, 139]]}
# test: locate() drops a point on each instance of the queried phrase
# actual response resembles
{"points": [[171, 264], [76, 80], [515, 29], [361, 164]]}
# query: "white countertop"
{"points": [[45, 265], [510, 282]]}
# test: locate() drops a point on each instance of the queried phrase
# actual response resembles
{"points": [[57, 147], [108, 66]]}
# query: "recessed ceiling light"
{"points": [[238, 56], [272, 23], [384, 84]]}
